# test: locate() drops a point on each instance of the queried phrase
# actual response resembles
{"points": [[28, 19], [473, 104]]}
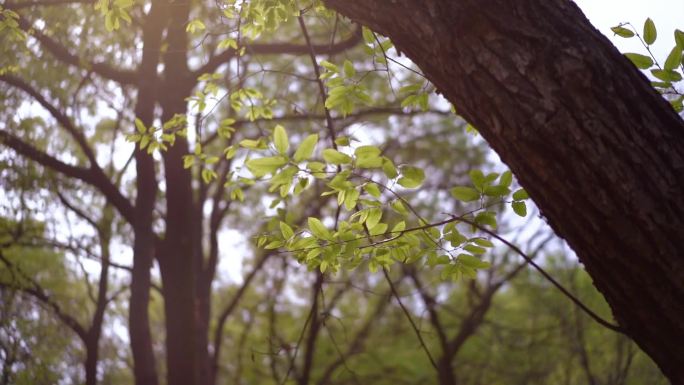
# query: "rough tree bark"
{"points": [[597, 148]]}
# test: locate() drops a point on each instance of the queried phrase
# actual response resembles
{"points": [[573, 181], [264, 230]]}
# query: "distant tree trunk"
{"points": [[597, 148]]}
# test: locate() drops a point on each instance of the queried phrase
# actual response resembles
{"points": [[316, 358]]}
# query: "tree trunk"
{"points": [[445, 371], [144, 362], [596, 147], [178, 262]]}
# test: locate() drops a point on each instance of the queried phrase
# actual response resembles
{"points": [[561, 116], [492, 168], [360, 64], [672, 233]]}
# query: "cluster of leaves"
{"points": [[667, 74], [380, 226], [9, 24], [345, 90], [114, 11], [155, 138]]}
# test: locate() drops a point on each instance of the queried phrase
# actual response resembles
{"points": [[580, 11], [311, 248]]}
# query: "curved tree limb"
{"points": [[62, 53]]}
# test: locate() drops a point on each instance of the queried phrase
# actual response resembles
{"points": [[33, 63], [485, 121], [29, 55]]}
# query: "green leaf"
{"points": [[368, 157], [342, 141], [519, 208], [195, 25], [667, 75], [273, 245], [372, 189], [250, 143], [286, 230], [399, 207], [267, 165], [374, 216], [228, 43], [410, 89], [188, 161], [486, 218], [388, 168], [280, 140], [367, 151], [208, 175], [519, 195], [483, 242], [674, 59], [368, 36], [506, 179], [349, 70], [475, 249], [350, 198], [380, 228], [640, 61], [622, 31], [478, 179], [411, 177], [306, 148], [473, 261], [335, 157], [140, 126], [318, 229], [496, 191], [679, 37], [329, 66], [650, 33], [465, 194]]}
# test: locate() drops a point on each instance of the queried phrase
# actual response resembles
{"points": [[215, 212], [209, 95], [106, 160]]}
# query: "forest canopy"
{"points": [[276, 192]]}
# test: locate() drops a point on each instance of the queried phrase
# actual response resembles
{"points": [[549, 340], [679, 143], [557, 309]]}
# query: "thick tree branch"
{"points": [[582, 129], [90, 176], [45, 3]]}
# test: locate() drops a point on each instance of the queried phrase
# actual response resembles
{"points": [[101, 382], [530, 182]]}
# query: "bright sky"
{"points": [[668, 15]]}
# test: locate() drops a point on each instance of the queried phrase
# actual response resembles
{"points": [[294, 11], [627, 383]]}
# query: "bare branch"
{"points": [[38, 293], [280, 49], [62, 53]]}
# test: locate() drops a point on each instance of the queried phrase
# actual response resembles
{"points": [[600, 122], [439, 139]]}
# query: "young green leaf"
{"points": [[306, 148], [140, 126], [465, 194], [519, 195], [667, 75], [478, 179], [519, 208], [318, 229], [335, 157], [388, 168], [263, 166], [650, 33], [374, 216], [496, 191], [372, 189], [473, 262], [280, 140], [622, 31], [640, 61], [679, 37], [349, 70], [506, 179], [411, 177], [286, 230], [674, 59]]}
